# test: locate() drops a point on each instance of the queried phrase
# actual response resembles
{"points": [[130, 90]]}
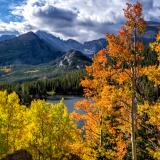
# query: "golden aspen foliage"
{"points": [[45, 130], [153, 110], [12, 122]]}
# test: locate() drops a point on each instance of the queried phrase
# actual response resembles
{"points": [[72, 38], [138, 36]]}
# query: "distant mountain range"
{"points": [[87, 48], [58, 43], [6, 37], [43, 50], [41, 47]]}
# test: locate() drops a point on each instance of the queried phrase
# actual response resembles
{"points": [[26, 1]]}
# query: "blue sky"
{"points": [[6, 8], [77, 19]]}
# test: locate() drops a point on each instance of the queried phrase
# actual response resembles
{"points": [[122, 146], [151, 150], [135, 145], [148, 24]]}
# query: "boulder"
{"points": [[18, 155]]}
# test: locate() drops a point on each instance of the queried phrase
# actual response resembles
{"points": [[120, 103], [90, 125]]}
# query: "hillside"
{"points": [[26, 49], [71, 60]]}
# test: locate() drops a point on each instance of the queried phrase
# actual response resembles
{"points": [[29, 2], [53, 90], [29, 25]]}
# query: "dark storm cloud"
{"points": [[56, 16]]}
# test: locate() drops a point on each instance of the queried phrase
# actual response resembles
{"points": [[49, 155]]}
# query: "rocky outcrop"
{"points": [[18, 155]]}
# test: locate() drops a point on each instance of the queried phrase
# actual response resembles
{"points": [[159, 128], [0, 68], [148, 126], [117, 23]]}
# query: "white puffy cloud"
{"points": [[79, 19], [14, 28]]}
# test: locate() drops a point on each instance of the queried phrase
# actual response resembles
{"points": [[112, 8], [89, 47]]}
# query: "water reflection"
{"points": [[68, 100]]}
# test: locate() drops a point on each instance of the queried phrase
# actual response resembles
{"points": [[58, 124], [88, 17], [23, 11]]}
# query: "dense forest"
{"points": [[120, 113], [68, 84]]}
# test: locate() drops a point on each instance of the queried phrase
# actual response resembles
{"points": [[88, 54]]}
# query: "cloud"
{"points": [[15, 28], [55, 17], [51, 12], [79, 19]]}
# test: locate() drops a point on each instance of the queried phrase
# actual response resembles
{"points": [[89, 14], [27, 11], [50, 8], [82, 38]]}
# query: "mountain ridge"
{"points": [[27, 48], [6, 37], [50, 46], [38, 55], [69, 61]]}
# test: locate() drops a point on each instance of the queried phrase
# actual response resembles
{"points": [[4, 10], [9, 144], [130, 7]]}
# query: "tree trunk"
{"points": [[134, 102], [133, 128]]}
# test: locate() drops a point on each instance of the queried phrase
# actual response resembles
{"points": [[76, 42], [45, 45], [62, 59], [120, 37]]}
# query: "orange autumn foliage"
{"points": [[109, 87]]}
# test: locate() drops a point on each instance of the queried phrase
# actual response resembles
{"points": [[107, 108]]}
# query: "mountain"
{"points": [[149, 35], [73, 44], [73, 59], [151, 32], [6, 37], [91, 47], [58, 43], [26, 49], [41, 47], [94, 46], [87, 48]]}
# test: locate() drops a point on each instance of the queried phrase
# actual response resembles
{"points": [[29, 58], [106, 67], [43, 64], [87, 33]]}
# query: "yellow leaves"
{"points": [[143, 109], [158, 37], [54, 128], [42, 128], [153, 73], [153, 111], [156, 45], [154, 114], [3, 98], [13, 98], [12, 121], [156, 154]]}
